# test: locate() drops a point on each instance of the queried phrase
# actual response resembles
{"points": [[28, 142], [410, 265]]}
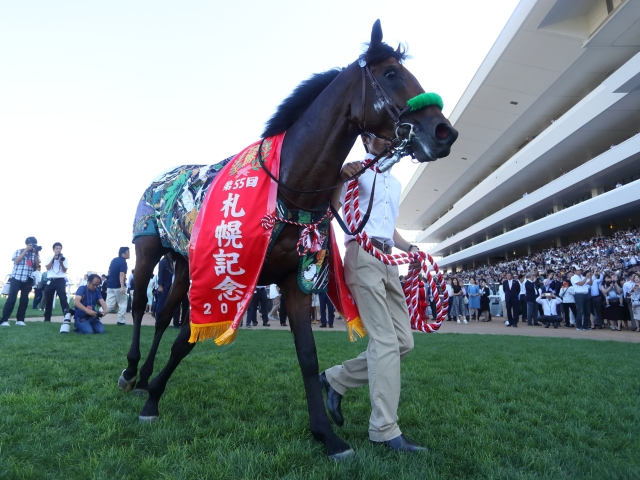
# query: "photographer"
{"points": [[56, 266], [25, 262], [549, 303], [86, 318]]}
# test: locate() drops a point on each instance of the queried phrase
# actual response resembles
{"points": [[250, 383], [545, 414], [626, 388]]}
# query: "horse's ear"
{"points": [[376, 34]]}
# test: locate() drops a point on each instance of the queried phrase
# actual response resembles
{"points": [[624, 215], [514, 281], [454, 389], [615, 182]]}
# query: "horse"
{"points": [[323, 117]]}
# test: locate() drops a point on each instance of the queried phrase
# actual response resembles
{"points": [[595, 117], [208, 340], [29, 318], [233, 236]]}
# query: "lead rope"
{"points": [[413, 286]]}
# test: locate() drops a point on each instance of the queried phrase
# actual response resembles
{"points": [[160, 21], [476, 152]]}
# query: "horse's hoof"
{"points": [[342, 456], [126, 385], [148, 419], [141, 392]]}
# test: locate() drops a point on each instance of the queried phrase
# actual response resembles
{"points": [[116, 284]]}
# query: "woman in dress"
{"points": [[485, 301], [458, 307], [612, 307], [473, 290]]}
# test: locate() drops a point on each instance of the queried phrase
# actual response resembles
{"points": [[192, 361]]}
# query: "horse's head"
{"points": [[396, 107]]}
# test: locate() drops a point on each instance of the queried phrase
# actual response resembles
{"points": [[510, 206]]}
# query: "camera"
{"points": [[37, 248], [61, 257]]}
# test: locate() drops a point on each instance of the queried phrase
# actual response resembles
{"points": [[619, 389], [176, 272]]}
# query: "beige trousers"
{"points": [[115, 296], [383, 309]]}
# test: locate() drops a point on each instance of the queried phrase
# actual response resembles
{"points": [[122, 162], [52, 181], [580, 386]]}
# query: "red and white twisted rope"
{"points": [[414, 286], [310, 238]]}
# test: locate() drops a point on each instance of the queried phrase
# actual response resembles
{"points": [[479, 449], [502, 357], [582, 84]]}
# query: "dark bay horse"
{"points": [[323, 117]]}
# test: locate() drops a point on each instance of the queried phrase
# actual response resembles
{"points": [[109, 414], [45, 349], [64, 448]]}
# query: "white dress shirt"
{"points": [[386, 201], [56, 269], [578, 289], [549, 305]]}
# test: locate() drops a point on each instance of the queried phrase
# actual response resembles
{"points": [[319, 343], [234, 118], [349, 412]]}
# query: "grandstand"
{"points": [[549, 151]]}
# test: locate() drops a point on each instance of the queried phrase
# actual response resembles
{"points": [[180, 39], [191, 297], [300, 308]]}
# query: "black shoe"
{"points": [[266, 324], [514, 326], [330, 326], [248, 325], [323, 326], [255, 324], [121, 323], [546, 326], [284, 325], [555, 326], [402, 444], [333, 401], [530, 324]]}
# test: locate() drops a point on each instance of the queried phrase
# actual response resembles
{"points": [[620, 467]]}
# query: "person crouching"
{"points": [[86, 318], [549, 303]]}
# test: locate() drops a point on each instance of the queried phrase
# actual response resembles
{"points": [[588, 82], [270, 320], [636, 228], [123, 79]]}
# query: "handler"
{"points": [[376, 289]]}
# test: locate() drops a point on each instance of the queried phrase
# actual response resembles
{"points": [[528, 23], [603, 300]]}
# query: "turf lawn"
{"points": [[486, 406], [31, 313]]}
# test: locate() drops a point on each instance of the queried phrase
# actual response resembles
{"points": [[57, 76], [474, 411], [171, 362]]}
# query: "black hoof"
{"points": [[148, 419], [342, 456], [126, 385]]}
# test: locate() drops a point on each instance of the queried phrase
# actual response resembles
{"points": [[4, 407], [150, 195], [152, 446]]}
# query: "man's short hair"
{"points": [[57, 244], [92, 277], [31, 241], [122, 251]]}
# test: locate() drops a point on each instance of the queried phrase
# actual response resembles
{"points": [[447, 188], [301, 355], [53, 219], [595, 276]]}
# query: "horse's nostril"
{"points": [[442, 131]]}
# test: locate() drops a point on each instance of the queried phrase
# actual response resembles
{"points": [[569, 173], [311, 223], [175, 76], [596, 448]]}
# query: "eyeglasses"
{"points": [[94, 285]]}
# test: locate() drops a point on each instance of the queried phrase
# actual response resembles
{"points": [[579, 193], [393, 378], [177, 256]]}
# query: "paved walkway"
{"points": [[496, 327]]}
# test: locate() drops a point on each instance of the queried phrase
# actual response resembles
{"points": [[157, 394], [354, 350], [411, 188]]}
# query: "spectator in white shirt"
{"points": [[568, 304], [581, 285], [549, 304]]}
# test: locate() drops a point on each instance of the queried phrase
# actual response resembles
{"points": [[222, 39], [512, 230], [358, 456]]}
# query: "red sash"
{"points": [[229, 242]]}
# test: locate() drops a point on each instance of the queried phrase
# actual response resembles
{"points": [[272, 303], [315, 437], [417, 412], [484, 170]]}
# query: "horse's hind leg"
{"points": [[178, 291], [149, 250], [299, 312], [179, 350]]}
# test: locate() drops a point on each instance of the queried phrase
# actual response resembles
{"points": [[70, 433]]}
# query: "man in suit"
{"points": [[511, 288], [531, 294]]}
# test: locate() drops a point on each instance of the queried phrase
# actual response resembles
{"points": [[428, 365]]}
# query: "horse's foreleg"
{"points": [[299, 312], [179, 289], [179, 350], [149, 250]]}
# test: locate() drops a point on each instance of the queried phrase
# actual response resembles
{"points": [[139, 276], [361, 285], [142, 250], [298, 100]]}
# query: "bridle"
{"points": [[397, 148], [400, 144]]}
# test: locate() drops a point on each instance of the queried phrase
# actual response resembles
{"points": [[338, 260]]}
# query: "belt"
{"points": [[383, 247]]}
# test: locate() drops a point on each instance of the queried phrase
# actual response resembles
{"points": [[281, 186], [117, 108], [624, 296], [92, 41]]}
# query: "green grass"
{"points": [[31, 313], [486, 406]]}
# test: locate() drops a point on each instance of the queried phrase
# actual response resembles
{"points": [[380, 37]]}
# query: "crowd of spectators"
{"points": [[594, 279]]}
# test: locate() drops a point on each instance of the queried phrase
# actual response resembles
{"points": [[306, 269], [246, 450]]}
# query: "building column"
{"points": [[599, 230], [558, 242], [596, 191], [528, 249]]}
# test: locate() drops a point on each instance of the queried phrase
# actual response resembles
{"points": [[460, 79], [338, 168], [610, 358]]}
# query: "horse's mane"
{"points": [[304, 94]]}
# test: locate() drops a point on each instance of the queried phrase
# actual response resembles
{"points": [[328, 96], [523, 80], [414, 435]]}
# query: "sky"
{"points": [[97, 98]]}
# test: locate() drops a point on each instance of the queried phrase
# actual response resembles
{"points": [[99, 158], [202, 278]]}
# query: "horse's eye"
{"points": [[391, 73]]}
